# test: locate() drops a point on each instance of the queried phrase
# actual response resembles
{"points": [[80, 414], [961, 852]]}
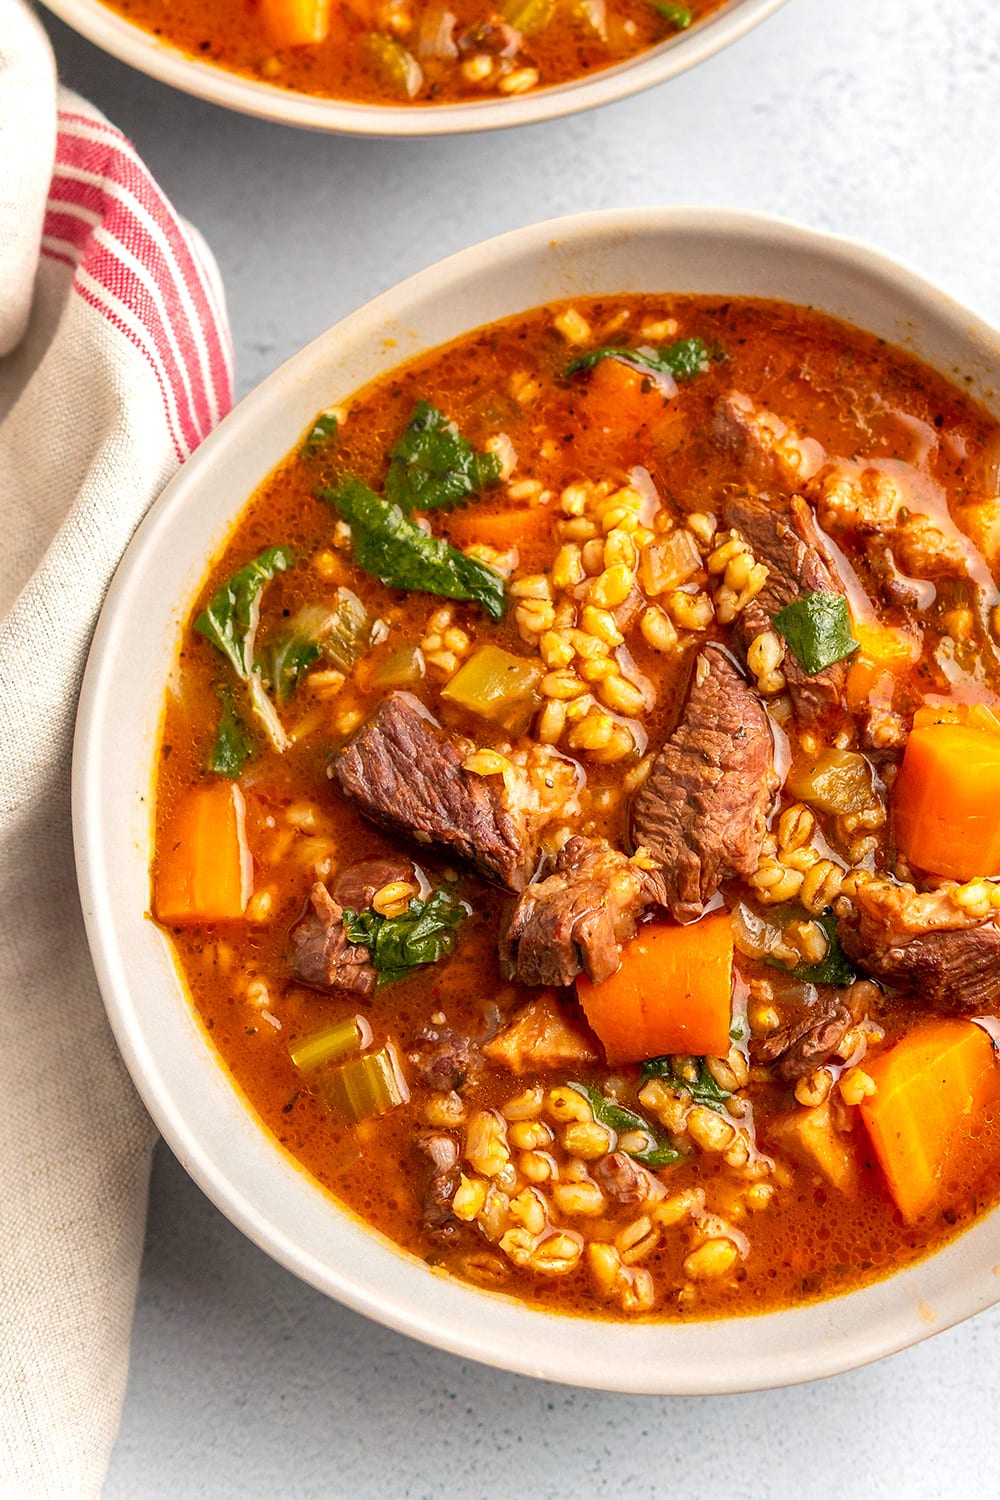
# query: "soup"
{"points": [[573, 807], [398, 52]]}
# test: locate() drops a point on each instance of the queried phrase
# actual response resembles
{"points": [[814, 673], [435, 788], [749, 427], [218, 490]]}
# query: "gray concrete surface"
{"points": [[878, 118]]}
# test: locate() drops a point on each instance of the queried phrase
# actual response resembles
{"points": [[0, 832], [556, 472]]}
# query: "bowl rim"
{"points": [[883, 1318], [166, 63]]}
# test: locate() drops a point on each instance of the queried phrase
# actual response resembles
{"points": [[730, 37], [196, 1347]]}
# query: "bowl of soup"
{"points": [[413, 67], [532, 801]]}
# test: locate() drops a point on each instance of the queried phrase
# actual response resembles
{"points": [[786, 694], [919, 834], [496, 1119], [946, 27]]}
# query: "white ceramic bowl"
{"points": [[186, 1088], [150, 54]]}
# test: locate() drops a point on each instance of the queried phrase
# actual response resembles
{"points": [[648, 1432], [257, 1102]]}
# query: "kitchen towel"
{"points": [[114, 364]]}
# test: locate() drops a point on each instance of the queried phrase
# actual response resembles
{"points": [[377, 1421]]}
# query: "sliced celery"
{"points": [[838, 781], [397, 67], [365, 1086], [497, 686], [330, 1044], [403, 668]]}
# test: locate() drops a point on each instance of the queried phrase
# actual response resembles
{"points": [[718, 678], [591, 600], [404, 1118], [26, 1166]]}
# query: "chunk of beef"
{"points": [[922, 942], [766, 449], [626, 1181], [446, 1059], [493, 37], [406, 772], [785, 540], [354, 887], [442, 1151], [541, 1036], [813, 1038], [701, 811], [578, 917], [322, 955]]}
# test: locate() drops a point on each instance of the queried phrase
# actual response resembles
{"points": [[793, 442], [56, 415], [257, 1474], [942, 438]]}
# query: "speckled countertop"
{"points": [[877, 118]]}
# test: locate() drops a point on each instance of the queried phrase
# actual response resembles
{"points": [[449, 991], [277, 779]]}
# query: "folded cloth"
{"points": [[114, 364]]}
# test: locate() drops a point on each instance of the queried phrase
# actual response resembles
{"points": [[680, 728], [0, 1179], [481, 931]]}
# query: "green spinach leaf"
{"points": [[232, 742], [423, 934], [322, 433], [817, 628], [340, 635], [391, 547], [434, 467], [663, 1153], [682, 359], [230, 624], [833, 968], [679, 16]]}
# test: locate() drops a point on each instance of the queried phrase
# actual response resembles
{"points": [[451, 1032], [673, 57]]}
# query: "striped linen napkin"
{"points": [[114, 364]]}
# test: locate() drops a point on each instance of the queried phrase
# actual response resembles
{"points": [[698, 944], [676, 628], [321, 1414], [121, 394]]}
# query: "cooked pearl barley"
{"points": [[445, 1110], [566, 1105], [551, 722], [487, 763], [856, 1085], [583, 1199], [526, 1106], [537, 1166], [592, 556], [680, 1207], [528, 1209], [764, 657], [711, 1260], [528, 1135], [533, 616], [703, 524], [619, 746], [567, 567], [572, 325], [578, 529], [605, 1264], [562, 685], [601, 623], [637, 1291], [592, 733], [821, 885], [725, 552], [555, 649], [658, 631], [619, 548], [486, 1143], [532, 586], [814, 1089], [621, 695], [470, 1198], [690, 611], [587, 1140], [774, 883], [394, 898], [611, 588], [597, 668], [558, 1254], [573, 500], [709, 1131], [796, 826]]}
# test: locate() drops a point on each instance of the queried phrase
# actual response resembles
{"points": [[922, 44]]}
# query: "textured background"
{"points": [[876, 118]]}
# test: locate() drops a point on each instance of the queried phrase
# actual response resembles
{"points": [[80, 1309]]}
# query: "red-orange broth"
{"points": [[750, 1216]]}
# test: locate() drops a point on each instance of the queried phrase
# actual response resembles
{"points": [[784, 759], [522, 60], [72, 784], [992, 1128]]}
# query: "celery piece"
{"points": [[365, 1086], [403, 668], [331, 1044], [528, 16], [340, 635], [496, 686], [838, 782], [394, 65]]}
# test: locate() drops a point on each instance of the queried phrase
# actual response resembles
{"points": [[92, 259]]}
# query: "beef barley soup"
{"points": [[576, 806], [415, 52]]}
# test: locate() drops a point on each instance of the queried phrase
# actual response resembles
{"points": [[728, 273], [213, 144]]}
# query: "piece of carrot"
{"points": [[514, 526], [295, 23], [204, 869], [672, 993], [945, 800], [926, 1088], [625, 396], [885, 653]]}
